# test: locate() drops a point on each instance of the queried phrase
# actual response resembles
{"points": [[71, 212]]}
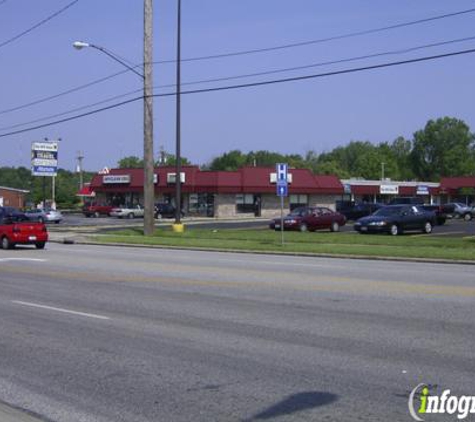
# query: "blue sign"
{"points": [[281, 170], [282, 190]]}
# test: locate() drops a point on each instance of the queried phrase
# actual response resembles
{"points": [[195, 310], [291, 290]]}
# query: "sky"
{"points": [[37, 61]]}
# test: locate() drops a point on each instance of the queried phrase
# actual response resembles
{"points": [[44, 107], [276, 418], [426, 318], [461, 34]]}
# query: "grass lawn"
{"points": [[404, 246]]}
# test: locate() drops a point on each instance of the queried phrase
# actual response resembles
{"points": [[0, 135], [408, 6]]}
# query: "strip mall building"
{"points": [[251, 191]]}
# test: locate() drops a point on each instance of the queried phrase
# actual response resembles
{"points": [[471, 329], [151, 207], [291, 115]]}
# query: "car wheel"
{"points": [[6, 243], [335, 227], [467, 217], [303, 227], [131, 215], [158, 216], [40, 245], [96, 214], [427, 227], [394, 230]]}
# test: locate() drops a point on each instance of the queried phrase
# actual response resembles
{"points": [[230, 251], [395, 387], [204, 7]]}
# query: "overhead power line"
{"points": [[21, 34], [323, 40], [240, 53], [242, 76], [249, 85]]}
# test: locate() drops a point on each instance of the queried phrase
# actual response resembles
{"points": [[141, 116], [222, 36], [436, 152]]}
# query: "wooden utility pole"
{"points": [[149, 188]]}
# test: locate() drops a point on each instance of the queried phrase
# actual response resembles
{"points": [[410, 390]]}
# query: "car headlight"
{"points": [[378, 223], [291, 221]]}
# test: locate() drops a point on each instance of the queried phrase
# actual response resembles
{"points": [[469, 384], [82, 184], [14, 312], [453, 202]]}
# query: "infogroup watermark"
{"points": [[422, 402]]}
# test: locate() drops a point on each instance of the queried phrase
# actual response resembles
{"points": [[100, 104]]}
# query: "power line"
{"points": [[250, 85], [21, 34], [323, 40], [243, 76], [254, 51]]}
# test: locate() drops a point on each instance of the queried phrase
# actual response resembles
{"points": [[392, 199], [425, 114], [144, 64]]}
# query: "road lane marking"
{"points": [[66, 311], [23, 259]]}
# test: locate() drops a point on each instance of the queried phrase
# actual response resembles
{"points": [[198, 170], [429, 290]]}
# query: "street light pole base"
{"points": [[178, 228]]}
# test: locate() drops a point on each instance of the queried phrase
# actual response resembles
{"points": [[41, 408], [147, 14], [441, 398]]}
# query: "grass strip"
{"points": [[405, 246]]}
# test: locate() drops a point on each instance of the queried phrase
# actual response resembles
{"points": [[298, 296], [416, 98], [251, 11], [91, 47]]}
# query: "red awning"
{"points": [[86, 192]]}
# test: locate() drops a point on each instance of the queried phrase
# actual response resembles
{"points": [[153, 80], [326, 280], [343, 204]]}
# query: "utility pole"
{"points": [[80, 157], [177, 225], [149, 188]]}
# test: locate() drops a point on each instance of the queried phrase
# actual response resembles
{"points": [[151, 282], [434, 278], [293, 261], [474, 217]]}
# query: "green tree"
{"points": [[130, 162], [445, 147]]}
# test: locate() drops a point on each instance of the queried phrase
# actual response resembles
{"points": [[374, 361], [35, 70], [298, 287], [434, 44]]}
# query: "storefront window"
{"points": [[201, 204], [298, 201], [245, 203]]}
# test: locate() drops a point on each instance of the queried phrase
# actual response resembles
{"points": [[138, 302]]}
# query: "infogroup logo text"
{"points": [[421, 403]]}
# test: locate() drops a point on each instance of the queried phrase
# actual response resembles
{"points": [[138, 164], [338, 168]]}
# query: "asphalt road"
{"points": [[110, 334]]}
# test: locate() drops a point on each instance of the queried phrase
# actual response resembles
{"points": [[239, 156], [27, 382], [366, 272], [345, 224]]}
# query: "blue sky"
{"points": [[316, 114]]}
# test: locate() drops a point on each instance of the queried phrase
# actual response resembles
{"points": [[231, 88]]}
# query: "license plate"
{"points": [[277, 226], [32, 238], [364, 229]]}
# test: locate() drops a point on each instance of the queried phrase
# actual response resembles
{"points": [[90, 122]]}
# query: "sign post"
{"points": [[282, 190]]}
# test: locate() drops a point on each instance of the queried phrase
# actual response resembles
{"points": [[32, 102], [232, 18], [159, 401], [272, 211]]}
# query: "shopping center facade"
{"points": [[251, 191]]}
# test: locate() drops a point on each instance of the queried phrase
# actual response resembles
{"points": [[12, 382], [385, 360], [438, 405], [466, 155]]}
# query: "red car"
{"points": [[311, 219], [96, 210], [17, 229]]}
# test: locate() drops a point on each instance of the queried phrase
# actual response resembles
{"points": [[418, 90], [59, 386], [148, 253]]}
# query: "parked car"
{"points": [[395, 219], [407, 200], [128, 212], [459, 210], [438, 210], [165, 210], [96, 210], [17, 229], [44, 216], [310, 219], [354, 210]]}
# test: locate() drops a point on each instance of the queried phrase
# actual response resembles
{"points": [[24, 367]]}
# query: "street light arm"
{"points": [[81, 44]]}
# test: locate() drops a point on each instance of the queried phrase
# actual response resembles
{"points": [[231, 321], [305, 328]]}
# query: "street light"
{"points": [[147, 76]]}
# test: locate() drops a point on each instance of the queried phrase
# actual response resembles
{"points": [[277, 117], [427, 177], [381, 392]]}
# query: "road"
{"points": [[111, 334]]}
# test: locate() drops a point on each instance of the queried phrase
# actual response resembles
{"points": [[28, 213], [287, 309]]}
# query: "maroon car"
{"points": [[17, 229], [96, 210], [311, 219]]}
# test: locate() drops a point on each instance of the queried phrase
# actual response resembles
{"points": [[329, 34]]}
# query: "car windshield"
{"points": [[388, 211]]}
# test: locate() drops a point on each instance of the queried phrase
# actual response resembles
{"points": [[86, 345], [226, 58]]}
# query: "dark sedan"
{"points": [[310, 219], [395, 219]]}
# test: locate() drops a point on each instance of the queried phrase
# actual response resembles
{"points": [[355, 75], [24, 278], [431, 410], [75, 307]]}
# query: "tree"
{"points": [[130, 162], [445, 147]]}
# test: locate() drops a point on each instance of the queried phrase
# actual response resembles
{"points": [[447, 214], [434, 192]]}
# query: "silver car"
{"points": [[127, 212], [45, 216]]}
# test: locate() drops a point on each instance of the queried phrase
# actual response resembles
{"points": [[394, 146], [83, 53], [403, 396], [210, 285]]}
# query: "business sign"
{"points": [[44, 158], [116, 179], [273, 177], [389, 189], [422, 190]]}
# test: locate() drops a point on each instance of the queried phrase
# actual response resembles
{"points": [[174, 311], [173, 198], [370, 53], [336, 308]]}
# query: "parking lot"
{"points": [[453, 227]]}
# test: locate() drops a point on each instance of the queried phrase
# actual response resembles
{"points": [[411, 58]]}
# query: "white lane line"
{"points": [[66, 311], [23, 259]]}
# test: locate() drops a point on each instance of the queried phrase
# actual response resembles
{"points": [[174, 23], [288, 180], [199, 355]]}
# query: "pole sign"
{"points": [[281, 170], [44, 158], [282, 190]]}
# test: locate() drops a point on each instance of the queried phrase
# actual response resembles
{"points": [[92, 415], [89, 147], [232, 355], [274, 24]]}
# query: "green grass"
{"points": [[405, 246]]}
